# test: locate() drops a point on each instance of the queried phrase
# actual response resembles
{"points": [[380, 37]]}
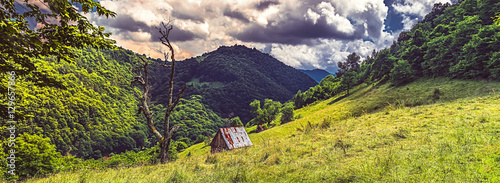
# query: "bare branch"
{"points": [[174, 130], [178, 99]]}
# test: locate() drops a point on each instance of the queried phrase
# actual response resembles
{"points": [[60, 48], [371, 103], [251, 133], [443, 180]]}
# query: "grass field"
{"points": [[431, 130]]}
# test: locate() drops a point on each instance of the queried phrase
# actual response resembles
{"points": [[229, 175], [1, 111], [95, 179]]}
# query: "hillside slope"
{"points": [[451, 138], [96, 114], [230, 78]]}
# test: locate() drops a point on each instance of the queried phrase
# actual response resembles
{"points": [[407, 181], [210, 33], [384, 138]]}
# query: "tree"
{"points": [[143, 79], [33, 155], [235, 122], [287, 113], [348, 70], [353, 61], [402, 73], [60, 27], [267, 113]]}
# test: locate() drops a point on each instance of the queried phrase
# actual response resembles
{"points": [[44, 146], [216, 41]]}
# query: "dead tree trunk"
{"points": [[143, 79]]}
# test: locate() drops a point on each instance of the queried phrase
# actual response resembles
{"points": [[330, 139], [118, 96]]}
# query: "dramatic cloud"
{"points": [[265, 4], [303, 34], [415, 10], [236, 14]]}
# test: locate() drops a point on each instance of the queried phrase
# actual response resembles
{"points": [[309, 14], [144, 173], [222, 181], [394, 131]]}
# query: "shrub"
{"points": [[235, 122], [34, 155], [287, 115]]}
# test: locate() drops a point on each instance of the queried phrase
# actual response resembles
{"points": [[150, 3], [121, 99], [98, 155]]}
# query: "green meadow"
{"points": [[431, 130]]}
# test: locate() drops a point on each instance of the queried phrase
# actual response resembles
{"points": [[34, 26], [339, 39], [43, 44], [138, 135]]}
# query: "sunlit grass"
{"points": [[379, 133]]}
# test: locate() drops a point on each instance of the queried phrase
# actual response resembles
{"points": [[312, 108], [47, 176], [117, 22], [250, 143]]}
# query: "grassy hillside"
{"points": [[429, 130]]}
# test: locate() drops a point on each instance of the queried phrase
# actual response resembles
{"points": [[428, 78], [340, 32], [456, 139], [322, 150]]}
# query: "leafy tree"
{"points": [[494, 65], [476, 54], [235, 122], [299, 100], [349, 79], [143, 79], [267, 113], [287, 113], [402, 73], [60, 27], [382, 65], [34, 155], [348, 71]]}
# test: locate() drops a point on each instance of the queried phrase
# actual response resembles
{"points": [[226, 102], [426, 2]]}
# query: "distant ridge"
{"points": [[316, 74]]}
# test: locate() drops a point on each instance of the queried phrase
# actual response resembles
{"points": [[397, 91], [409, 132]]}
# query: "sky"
{"points": [[305, 34]]}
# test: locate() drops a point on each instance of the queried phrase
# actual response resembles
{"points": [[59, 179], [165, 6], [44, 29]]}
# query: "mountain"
{"points": [[230, 78], [316, 74]]}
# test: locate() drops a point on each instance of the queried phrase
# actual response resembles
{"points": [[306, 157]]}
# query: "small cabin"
{"points": [[230, 138]]}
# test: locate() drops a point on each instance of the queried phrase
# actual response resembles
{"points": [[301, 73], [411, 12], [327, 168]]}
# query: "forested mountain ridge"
{"points": [[230, 78]]}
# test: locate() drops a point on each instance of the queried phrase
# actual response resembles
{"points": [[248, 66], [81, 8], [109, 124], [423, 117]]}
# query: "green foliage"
{"points": [[235, 122], [20, 43], [327, 88], [267, 113], [402, 73], [34, 155], [456, 41], [287, 113], [497, 18], [382, 65], [94, 116]]}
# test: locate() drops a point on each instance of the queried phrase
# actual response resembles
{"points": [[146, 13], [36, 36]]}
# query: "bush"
{"points": [[235, 122], [287, 115], [402, 73], [34, 155]]}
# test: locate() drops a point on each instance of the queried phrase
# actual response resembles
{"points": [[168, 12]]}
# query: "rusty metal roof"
{"points": [[235, 137]]}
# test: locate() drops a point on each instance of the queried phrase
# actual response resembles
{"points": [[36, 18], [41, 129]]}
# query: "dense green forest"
{"points": [[458, 40], [230, 78], [96, 114]]}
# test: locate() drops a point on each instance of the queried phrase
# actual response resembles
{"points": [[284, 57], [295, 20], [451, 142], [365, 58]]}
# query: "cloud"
{"points": [[324, 55], [306, 21], [265, 4], [303, 34], [414, 10], [236, 14]]}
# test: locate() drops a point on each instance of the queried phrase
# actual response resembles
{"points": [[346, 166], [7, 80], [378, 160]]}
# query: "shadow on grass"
{"points": [[338, 99]]}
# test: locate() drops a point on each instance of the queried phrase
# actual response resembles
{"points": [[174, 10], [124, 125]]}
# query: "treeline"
{"points": [[457, 40]]}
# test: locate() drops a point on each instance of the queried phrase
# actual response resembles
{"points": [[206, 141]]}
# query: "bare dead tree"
{"points": [[143, 79]]}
